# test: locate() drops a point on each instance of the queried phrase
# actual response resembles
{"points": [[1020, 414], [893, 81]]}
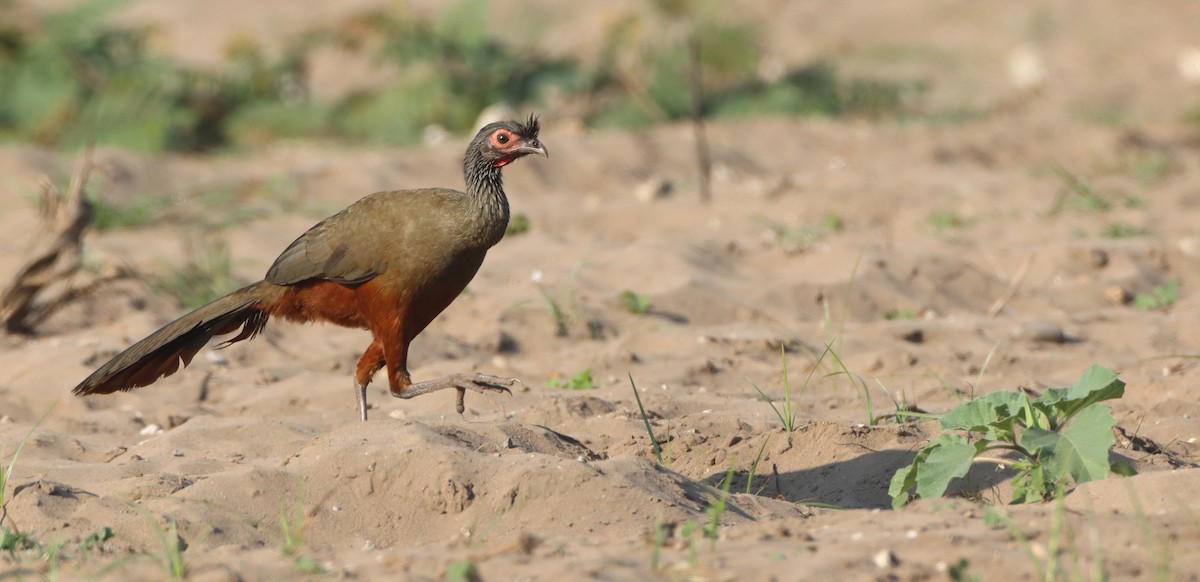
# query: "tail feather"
{"points": [[160, 353]]}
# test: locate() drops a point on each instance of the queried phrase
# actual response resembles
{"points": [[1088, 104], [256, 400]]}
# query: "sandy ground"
{"points": [[563, 484]]}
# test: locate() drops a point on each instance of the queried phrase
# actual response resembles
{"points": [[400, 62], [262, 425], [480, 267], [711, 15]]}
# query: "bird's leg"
{"points": [[360, 392], [402, 386], [462, 382], [370, 363]]}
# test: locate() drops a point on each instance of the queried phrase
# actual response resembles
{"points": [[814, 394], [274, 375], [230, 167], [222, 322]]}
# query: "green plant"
{"points": [[1151, 166], [635, 303], [946, 220], [1124, 230], [754, 465], [717, 509], [646, 421], [207, 275], [518, 224], [897, 314], [11, 541], [581, 380], [141, 212], [172, 550], [291, 525], [561, 311], [463, 571], [855, 381], [960, 571], [453, 68], [660, 541], [309, 565], [95, 540], [72, 76], [833, 221], [1161, 297], [787, 417], [562, 318], [905, 411], [1063, 435], [1077, 194], [793, 239]]}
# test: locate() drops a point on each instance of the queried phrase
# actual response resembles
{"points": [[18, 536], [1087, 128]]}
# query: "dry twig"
{"points": [[55, 256]]}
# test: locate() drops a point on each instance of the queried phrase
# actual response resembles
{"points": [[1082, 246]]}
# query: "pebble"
{"points": [[1096, 258], [1117, 295], [1190, 246], [150, 429], [655, 188], [884, 559], [1040, 330]]}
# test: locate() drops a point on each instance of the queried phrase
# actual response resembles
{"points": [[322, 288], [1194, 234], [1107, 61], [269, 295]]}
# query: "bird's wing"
{"points": [[326, 252]]}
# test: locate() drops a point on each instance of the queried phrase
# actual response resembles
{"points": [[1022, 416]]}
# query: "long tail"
{"points": [[159, 354]]}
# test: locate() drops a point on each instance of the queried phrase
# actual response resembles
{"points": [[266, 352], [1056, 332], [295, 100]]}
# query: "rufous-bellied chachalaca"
{"points": [[389, 263]]}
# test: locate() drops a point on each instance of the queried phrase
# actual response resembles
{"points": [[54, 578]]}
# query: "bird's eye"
{"points": [[502, 138]]}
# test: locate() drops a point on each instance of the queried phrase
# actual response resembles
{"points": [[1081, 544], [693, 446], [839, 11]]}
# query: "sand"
{"points": [[1002, 289]]}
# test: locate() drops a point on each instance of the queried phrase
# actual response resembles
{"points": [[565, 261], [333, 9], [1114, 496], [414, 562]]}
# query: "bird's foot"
{"points": [[461, 382]]}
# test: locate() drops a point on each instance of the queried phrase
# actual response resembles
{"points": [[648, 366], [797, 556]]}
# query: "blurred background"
{"points": [[221, 75]]}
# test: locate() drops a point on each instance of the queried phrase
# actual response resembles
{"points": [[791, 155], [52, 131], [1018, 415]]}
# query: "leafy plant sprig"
{"points": [[1063, 435], [581, 380]]}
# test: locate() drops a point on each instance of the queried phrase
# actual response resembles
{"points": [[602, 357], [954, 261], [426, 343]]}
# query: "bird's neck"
{"points": [[486, 188]]}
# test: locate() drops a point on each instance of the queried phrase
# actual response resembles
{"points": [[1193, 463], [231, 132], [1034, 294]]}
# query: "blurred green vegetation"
{"points": [[73, 76]]}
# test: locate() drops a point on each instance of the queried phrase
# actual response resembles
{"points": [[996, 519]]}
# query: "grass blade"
{"points": [[645, 419]]}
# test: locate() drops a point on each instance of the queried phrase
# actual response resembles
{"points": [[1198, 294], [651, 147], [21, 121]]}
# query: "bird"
{"points": [[388, 263]]}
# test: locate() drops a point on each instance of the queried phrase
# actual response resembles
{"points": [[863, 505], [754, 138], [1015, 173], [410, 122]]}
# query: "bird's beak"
{"points": [[533, 146]]}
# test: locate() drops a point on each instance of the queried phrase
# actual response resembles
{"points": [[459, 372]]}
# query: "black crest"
{"points": [[529, 129]]}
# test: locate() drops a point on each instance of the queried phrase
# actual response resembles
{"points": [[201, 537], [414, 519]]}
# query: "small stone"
{"points": [[397, 414], [915, 336], [1096, 258], [150, 429], [706, 366], [1190, 246], [1118, 295], [1040, 330], [655, 188], [884, 559], [177, 453]]}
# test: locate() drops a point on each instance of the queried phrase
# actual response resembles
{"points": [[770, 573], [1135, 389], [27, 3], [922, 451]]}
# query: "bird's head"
{"points": [[504, 141]]}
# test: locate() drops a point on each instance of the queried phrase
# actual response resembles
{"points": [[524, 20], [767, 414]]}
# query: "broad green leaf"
{"points": [[951, 459], [992, 414], [904, 479], [1097, 383], [1079, 450], [946, 457]]}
